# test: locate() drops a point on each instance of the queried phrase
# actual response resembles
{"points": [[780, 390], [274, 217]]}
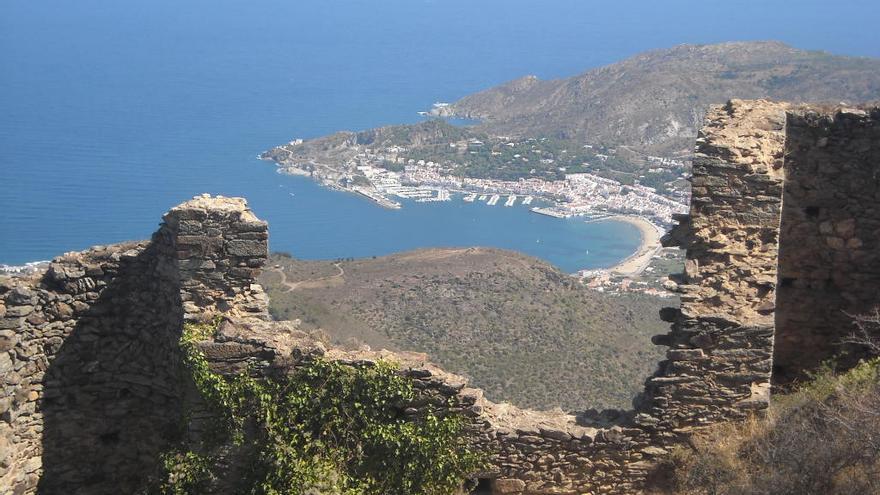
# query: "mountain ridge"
{"points": [[654, 101]]}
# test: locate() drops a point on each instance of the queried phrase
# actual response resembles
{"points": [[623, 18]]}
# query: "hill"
{"points": [[655, 101], [522, 330]]}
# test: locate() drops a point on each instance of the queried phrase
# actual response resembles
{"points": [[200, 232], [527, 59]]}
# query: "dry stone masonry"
{"points": [[829, 262], [784, 215], [220, 246], [89, 361], [720, 347]]}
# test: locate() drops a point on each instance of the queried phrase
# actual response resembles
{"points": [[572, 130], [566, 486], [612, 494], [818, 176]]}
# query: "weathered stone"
{"points": [[8, 340], [21, 296], [685, 354], [835, 242], [854, 243], [508, 486], [6, 365], [15, 311], [246, 248]]}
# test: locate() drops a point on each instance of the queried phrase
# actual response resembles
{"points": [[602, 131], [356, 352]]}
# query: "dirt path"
{"points": [[315, 283]]}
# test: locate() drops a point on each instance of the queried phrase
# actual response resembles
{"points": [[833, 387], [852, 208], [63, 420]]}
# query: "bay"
{"points": [[112, 112]]}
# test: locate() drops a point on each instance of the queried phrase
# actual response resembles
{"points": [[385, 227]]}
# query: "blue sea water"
{"points": [[111, 112]]}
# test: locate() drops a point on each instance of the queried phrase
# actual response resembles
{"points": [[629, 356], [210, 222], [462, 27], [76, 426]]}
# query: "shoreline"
{"points": [[636, 263], [632, 265]]}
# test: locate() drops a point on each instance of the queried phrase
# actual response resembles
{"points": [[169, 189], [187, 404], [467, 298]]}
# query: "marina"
{"points": [[510, 200], [442, 195], [493, 200]]}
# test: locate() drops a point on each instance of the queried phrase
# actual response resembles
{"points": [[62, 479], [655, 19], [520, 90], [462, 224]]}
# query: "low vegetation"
{"points": [[654, 102], [822, 439], [510, 322], [325, 428]]}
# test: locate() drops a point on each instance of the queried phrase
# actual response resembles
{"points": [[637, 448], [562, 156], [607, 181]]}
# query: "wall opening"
{"points": [[484, 487]]}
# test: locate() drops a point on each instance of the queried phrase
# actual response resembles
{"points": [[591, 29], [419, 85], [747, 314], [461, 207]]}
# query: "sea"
{"points": [[112, 112]]}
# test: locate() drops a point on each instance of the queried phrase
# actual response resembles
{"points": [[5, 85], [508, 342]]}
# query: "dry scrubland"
{"points": [[823, 439], [519, 328]]}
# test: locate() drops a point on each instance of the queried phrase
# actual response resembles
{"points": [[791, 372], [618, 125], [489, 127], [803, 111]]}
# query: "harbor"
{"points": [[551, 212]]}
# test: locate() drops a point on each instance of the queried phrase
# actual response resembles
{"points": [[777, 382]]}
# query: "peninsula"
{"points": [[542, 144], [435, 161]]}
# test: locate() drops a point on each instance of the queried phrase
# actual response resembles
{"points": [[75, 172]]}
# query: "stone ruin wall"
{"points": [[83, 346], [92, 386], [220, 247], [90, 366], [829, 264], [721, 342]]}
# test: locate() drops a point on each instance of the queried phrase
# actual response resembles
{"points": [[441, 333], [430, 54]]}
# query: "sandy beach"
{"points": [[638, 261]]}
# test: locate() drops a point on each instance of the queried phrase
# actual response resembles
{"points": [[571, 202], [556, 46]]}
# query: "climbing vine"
{"points": [[326, 428]]}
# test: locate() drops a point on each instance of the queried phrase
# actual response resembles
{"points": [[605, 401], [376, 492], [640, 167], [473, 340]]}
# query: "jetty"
{"points": [[380, 199], [550, 212]]}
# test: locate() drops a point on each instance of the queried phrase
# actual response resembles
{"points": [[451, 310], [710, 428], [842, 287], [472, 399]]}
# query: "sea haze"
{"points": [[114, 111]]}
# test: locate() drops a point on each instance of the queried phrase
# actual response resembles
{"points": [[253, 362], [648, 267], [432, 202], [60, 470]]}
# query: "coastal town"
{"points": [[561, 180], [387, 174]]}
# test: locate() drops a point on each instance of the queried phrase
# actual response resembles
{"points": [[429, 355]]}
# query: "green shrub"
{"points": [[324, 428]]}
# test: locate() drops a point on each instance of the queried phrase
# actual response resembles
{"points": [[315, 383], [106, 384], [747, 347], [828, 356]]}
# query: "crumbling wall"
{"points": [[89, 369], [721, 342], [220, 246], [530, 452], [92, 385], [829, 263]]}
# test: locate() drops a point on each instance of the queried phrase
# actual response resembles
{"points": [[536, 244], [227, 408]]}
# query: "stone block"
{"points": [[250, 226], [11, 323], [508, 486], [247, 248], [685, 354], [16, 311], [21, 296]]}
